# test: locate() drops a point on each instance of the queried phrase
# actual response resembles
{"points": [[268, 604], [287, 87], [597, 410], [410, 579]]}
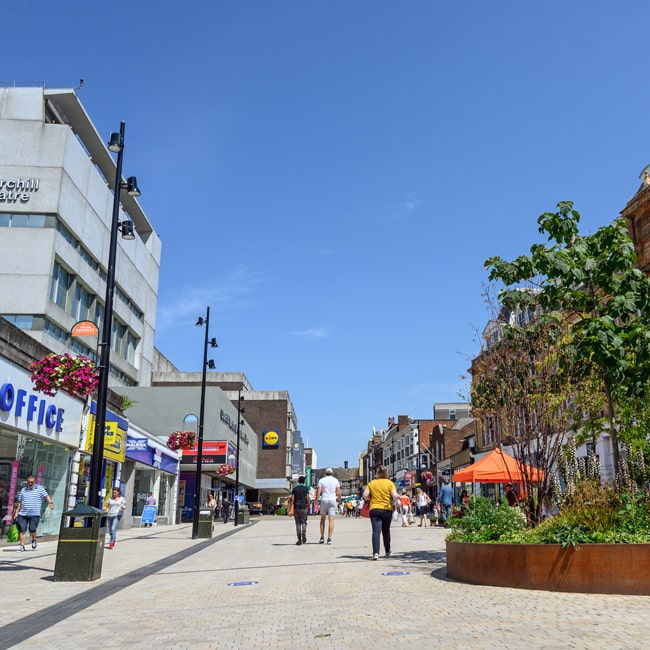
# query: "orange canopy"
{"points": [[496, 467]]}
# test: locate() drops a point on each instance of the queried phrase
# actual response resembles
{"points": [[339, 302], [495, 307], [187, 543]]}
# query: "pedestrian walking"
{"points": [[225, 509], [405, 507], [446, 500], [115, 507], [300, 502], [423, 501], [384, 499], [27, 512], [329, 493], [212, 504]]}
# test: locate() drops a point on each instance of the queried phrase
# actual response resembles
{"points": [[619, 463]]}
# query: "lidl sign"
{"points": [[270, 439]]}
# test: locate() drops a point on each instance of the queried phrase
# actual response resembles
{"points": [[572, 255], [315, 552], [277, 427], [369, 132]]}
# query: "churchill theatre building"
{"points": [[57, 181]]}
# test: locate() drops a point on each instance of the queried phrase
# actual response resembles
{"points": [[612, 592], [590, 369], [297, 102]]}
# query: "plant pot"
{"points": [[589, 568]]}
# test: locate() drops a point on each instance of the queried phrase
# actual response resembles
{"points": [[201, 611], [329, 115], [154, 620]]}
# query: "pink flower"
{"points": [[181, 440], [78, 375]]}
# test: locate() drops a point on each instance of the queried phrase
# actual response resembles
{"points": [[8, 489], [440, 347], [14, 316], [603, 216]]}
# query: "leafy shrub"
{"points": [[591, 515], [485, 521]]}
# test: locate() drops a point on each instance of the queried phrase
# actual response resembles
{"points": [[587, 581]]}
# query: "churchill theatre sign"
{"points": [[17, 190]]}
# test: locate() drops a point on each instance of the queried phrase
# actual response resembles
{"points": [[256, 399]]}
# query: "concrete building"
{"points": [[175, 407], [270, 459], [57, 181]]}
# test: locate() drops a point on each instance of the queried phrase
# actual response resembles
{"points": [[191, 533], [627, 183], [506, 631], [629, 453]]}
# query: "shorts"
{"points": [[328, 508], [423, 510], [25, 522]]}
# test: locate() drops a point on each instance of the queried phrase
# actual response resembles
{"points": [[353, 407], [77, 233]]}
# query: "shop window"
{"points": [[48, 462]]}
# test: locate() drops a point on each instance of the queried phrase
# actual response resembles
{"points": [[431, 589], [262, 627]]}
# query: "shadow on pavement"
{"points": [[24, 628]]}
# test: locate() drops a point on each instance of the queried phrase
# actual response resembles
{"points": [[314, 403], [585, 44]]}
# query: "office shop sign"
{"points": [[17, 190], [57, 418]]}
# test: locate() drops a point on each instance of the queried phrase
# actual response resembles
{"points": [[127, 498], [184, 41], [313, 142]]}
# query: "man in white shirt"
{"points": [[329, 493]]}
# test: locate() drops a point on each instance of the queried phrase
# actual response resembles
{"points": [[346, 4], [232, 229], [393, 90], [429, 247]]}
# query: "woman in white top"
{"points": [[115, 506], [423, 506]]}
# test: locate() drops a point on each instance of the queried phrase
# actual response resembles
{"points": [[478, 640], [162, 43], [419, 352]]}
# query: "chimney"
{"points": [[403, 421], [345, 464]]}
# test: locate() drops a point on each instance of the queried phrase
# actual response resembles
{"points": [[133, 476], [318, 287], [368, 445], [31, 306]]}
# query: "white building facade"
{"points": [[56, 198], [57, 181]]}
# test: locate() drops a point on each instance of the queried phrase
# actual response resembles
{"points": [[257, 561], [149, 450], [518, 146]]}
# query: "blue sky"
{"points": [[330, 176]]}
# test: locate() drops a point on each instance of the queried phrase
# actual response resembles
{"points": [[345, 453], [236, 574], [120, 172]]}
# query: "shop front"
{"points": [[113, 457], [216, 454], [152, 472], [38, 435]]}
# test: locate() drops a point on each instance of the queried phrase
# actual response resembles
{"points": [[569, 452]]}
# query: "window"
{"points": [[77, 346], [490, 431], [83, 307], [131, 347], [28, 221], [68, 293], [22, 321], [60, 286], [118, 336], [55, 331], [23, 220]]}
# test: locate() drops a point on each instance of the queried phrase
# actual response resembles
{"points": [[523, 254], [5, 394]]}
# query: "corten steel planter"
{"points": [[589, 568]]}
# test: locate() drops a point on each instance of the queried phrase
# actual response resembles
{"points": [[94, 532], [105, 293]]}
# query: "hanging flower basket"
{"points": [[78, 375], [181, 440], [225, 470], [427, 477]]}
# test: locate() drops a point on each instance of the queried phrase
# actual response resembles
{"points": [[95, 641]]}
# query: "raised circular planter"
{"points": [[589, 568]]}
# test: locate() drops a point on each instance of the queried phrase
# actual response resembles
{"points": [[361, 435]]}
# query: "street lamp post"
{"points": [[199, 459], [116, 144], [240, 410]]}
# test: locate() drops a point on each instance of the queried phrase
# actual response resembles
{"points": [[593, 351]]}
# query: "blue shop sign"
{"points": [[57, 418], [135, 444], [139, 449]]}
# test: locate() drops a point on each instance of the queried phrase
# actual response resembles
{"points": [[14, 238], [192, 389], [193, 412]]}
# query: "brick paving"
{"points": [[161, 589]]}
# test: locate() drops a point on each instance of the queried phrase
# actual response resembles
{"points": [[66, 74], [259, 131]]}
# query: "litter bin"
{"points": [[243, 515], [80, 551], [205, 524]]}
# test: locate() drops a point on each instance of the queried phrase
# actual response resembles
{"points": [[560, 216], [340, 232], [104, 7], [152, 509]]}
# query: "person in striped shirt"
{"points": [[27, 512]]}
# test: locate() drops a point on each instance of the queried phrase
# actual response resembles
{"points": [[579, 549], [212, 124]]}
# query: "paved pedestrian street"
{"points": [[250, 586]]}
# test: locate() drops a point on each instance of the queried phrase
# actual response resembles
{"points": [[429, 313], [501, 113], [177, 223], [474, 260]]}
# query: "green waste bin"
{"points": [[80, 551], [243, 515], [205, 524]]}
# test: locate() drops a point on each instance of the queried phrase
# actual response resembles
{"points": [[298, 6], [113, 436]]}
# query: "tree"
{"points": [[593, 284], [517, 386]]}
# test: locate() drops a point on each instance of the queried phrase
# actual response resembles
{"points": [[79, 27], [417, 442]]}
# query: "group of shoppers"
{"points": [[384, 505], [223, 511]]}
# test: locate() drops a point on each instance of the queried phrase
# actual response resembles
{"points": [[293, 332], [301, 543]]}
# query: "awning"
{"points": [[497, 467]]}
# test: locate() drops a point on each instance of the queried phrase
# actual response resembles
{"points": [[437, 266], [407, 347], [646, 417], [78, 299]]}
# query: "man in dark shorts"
{"points": [[27, 512], [300, 500]]}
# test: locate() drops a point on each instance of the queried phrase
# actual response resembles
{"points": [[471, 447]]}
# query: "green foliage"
{"points": [[594, 283], [614, 519], [485, 521], [127, 403], [590, 515]]}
